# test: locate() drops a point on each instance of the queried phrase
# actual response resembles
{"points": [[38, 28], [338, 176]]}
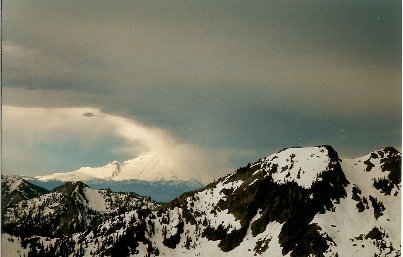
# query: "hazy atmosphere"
{"points": [[209, 85]]}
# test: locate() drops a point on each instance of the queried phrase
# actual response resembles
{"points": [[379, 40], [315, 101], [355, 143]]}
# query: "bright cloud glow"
{"points": [[41, 125]]}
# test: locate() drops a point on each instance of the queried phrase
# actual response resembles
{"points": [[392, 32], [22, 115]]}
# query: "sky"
{"points": [[226, 82]]}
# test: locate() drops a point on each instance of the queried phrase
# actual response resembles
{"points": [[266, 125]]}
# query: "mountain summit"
{"points": [[297, 202]]}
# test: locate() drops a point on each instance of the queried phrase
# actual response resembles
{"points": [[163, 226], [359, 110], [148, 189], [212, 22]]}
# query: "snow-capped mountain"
{"points": [[149, 174], [69, 208], [146, 167], [297, 202]]}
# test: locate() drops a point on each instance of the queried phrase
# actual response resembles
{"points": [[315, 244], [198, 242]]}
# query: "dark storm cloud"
{"points": [[88, 114], [259, 75]]}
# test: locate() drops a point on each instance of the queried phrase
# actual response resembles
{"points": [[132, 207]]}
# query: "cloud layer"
{"points": [[241, 77]]}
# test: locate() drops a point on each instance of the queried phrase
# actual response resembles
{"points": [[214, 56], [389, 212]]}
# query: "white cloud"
{"points": [[33, 125]]}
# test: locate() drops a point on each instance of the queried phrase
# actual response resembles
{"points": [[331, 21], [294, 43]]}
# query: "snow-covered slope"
{"points": [[147, 167], [297, 202], [367, 221]]}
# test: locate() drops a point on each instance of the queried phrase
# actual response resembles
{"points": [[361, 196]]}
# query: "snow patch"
{"points": [[96, 200], [11, 246]]}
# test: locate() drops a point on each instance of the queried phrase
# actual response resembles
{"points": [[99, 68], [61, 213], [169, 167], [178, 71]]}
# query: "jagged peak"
{"points": [[383, 153], [115, 162], [384, 158], [70, 186], [390, 149]]}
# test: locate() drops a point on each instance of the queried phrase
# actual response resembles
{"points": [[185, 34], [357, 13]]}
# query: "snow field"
{"points": [[96, 200]]}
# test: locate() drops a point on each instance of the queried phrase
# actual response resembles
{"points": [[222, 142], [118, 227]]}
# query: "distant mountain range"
{"points": [[297, 202], [160, 191]]}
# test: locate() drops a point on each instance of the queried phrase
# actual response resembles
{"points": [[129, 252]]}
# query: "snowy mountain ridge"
{"points": [[69, 208], [297, 202]]}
